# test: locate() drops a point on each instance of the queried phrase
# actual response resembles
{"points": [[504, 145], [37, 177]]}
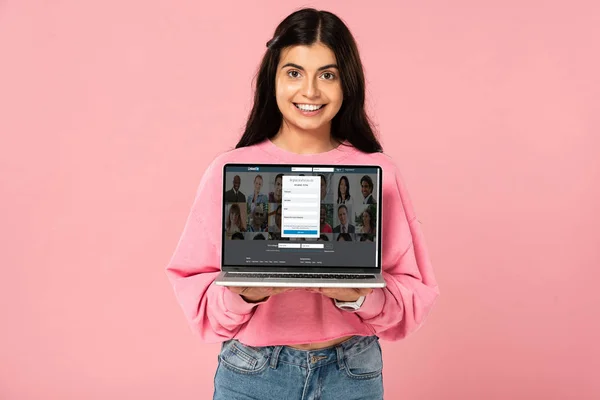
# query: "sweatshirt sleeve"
{"points": [[411, 291], [214, 312]]}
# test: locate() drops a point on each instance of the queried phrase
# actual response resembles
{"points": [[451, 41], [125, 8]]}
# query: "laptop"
{"points": [[299, 225]]}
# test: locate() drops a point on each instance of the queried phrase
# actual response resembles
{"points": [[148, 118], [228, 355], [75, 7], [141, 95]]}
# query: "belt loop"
{"points": [[340, 356], [275, 356]]}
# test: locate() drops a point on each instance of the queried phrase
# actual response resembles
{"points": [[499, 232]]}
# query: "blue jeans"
{"points": [[351, 370]]}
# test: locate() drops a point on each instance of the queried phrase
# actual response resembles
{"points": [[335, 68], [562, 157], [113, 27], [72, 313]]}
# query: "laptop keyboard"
{"points": [[295, 276]]}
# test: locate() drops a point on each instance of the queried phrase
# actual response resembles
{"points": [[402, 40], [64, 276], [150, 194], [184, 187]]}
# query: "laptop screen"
{"points": [[301, 216]]}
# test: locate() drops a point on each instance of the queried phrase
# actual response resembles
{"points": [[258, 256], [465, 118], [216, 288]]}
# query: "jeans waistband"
{"points": [[312, 359]]}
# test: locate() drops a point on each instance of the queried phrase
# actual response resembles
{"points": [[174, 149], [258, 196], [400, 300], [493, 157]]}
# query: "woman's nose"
{"points": [[311, 88]]}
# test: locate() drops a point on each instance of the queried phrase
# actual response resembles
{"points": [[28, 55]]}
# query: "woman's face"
{"points": [[308, 88], [366, 219], [235, 217], [343, 186], [278, 187], [323, 188], [258, 182]]}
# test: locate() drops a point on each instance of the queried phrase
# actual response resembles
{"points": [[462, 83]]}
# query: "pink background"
{"points": [[110, 111]]}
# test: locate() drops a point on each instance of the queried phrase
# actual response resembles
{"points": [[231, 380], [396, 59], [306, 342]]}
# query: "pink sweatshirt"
{"points": [[298, 316]]}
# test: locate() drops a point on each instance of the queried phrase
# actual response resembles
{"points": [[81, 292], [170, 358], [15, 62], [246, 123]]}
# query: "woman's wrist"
{"points": [[252, 301]]}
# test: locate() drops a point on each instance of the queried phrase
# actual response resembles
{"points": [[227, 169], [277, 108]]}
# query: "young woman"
{"points": [[234, 222], [344, 191], [368, 222], [297, 343], [275, 195], [325, 227], [257, 197]]}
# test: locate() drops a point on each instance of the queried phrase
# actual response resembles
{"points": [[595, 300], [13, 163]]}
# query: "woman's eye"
{"points": [[293, 74], [328, 75]]}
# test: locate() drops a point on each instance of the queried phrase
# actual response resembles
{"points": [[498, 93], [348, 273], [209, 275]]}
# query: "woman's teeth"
{"points": [[308, 107]]}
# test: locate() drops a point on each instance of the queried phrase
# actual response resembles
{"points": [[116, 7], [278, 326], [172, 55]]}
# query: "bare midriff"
{"points": [[319, 345]]}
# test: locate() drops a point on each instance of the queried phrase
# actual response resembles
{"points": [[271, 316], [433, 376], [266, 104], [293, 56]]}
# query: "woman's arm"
{"points": [[402, 306], [214, 312]]}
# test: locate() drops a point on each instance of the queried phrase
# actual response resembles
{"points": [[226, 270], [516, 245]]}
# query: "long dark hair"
{"points": [[306, 27]]}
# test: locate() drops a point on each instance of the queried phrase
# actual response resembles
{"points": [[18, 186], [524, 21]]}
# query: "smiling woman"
{"points": [[308, 90], [294, 343], [313, 66]]}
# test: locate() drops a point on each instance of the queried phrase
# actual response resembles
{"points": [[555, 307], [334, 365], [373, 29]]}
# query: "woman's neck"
{"points": [[304, 142]]}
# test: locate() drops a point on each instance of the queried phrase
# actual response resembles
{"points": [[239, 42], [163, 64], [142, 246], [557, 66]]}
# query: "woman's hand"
{"points": [[342, 294], [257, 294]]}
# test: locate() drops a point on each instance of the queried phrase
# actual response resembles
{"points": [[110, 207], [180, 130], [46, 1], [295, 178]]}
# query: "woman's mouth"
{"points": [[309, 109]]}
